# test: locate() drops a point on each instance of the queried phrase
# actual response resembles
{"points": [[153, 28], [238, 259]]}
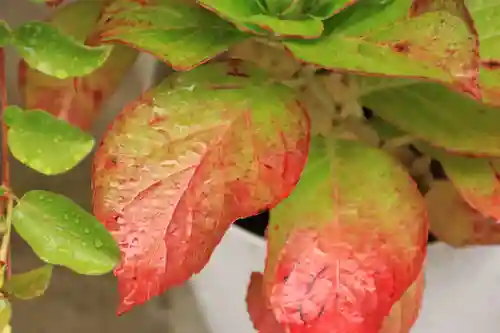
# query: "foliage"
{"points": [[326, 112]]}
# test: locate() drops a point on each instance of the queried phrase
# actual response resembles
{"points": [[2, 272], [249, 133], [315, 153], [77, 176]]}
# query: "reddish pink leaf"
{"points": [[348, 242], [405, 312], [260, 313], [203, 149], [76, 100]]}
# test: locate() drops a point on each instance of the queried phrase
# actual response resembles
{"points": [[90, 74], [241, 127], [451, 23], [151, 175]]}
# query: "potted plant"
{"points": [[356, 123]]}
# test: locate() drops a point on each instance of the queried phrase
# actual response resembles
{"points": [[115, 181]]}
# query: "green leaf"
{"points": [[5, 34], [51, 52], [30, 284], [486, 16], [182, 35], [44, 143], [309, 27], [62, 233], [5, 314], [476, 179], [330, 226], [435, 114], [380, 37], [326, 8]]}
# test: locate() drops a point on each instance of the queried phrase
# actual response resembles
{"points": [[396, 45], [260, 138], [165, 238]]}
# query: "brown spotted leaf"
{"points": [[486, 14], [453, 221], [181, 34], [340, 255], [204, 148], [78, 100], [436, 41]]}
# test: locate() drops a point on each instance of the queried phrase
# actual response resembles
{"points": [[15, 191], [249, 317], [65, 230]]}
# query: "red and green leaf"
{"points": [[180, 34], [403, 314], [455, 222], [435, 114], [203, 149], [437, 41], [485, 15], [79, 100], [341, 255]]}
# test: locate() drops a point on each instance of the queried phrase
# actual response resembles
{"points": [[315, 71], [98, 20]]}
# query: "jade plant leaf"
{"points": [[5, 314], [436, 42], [182, 35], [62, 233], [5, 34], [47, 49], [201, 150], [455, 222], [336, 251], [423, 110], [44, 143], [29, 285], [78, 101], [485, 14], [405, 312]]}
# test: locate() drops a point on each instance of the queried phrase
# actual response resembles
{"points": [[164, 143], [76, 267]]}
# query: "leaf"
{"points": [[453, 221], [5, 314], [177, 33], [5, 34], [46, 49], [341, 255], [62, 233], [423, 110], [378, 37], [31, 284], [261, 315], [44, 143], [203, 149], [405, 312], [475, 178], [485, 15], [76, 101]]}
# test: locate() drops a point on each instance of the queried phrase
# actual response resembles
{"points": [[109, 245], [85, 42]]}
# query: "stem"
{"points": [[4, 247], [5, 159]]}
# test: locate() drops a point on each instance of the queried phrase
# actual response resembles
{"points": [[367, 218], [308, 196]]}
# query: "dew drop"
{"points": [[98, 243], [86, 230]]}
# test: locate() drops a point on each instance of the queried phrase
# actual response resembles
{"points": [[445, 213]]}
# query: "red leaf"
{"points": [[77, 101], [405, 312], [203, 149], [260, 313], [348, 242]]}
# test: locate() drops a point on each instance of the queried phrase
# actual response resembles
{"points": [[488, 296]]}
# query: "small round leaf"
{"points": [[62, 233], [30, 284], [42, 142]]}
